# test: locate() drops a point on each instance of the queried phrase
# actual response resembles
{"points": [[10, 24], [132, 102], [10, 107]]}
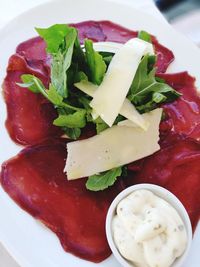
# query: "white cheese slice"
{"points": [[86, 87], [113, 47], [113, 147], [111, 93], [127, 110], [129, 123], [110, 47]]}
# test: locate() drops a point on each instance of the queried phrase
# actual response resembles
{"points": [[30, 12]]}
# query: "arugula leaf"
{"points": [[72, 133], [28, 83], [160, 80], [78, 55], [60, 40], [107, 57], [68, 52], [85, 102], [95, 63], [151, 62], [149, 91], [104, 180], [54, 97], [58, 74], [35, 85], [54, 36], [75, 120], [81, 76], [142, 78], [147, 107], [100, 125], [145, 36], [146, 92], [158, 97]]}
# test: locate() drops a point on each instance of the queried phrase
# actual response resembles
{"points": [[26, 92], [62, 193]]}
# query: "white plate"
{"points": [[31, 244]]}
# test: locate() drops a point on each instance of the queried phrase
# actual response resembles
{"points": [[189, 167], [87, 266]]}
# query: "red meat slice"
{"points": [[29, 115], [183, 115], [35, 180], [177, 168], [34, 48]]}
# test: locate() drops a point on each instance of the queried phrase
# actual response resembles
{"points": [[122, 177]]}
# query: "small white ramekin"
{"points": [[164, 194]]}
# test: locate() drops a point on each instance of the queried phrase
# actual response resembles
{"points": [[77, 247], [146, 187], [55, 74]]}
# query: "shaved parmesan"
{"points": [[112, 148], [87, 87], [129, 123], [111, 93], [127, 110], [110, 47], [113, 47]]}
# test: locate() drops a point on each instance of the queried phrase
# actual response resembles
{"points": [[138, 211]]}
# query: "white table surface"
{"points": [[12, 8]]}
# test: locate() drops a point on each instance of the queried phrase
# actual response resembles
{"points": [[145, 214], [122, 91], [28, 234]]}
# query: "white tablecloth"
{"points": [[10, 9]]}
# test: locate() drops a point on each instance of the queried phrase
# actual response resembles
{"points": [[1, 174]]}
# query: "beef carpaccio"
{"points": [[35, 180]]}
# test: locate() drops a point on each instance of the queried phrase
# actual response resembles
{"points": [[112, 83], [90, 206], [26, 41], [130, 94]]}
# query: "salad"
{"points": [[111, 109], [123, 86]]}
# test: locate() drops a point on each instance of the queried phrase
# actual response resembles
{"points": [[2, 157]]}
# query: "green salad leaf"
{"points": [[35, 85], [73, 133], [96, 65], [102, 181], [54, 36], [145, 36], [60, 40], [75, 120], [28, 82], [146, 92], [100, 125], [107, 57]]}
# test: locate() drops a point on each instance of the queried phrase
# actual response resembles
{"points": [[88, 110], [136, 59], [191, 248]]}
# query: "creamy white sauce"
{"points": [[148, 231]]}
